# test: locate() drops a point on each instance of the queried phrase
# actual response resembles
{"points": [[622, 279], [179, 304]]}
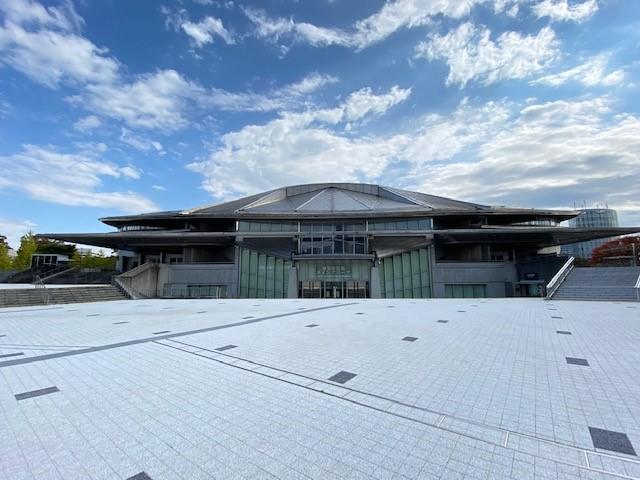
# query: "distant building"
{"points": [[591, 218], [12, 253]]}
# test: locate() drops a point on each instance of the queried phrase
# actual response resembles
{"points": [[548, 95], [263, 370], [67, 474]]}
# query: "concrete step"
{"points": [[599, 283], [28, 297]]}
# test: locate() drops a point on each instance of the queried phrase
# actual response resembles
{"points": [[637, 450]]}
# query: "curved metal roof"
{"points": [[336, 198]]}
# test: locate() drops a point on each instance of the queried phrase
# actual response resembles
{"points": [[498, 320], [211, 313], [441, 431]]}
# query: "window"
{"points": [[465, 290], [251, 226], [401, 224], [333, 245]]}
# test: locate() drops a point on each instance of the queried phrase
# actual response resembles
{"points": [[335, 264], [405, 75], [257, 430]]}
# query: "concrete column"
{"points": [[292, 287], [374, 282]]}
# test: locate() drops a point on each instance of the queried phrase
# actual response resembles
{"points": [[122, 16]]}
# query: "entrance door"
{"points": [[333, 289]]}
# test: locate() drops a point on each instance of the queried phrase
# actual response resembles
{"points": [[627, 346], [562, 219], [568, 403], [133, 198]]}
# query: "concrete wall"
{"points": [[497, 276], [199, 274]]}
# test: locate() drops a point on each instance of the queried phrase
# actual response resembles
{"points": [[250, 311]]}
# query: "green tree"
{"points": [[27, 248], [5, 259], [92, 260], [54, 247]]}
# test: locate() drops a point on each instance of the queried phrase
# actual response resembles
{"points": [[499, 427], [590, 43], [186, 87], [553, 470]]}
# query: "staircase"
{"points": [[40, 296], [599, 283]]}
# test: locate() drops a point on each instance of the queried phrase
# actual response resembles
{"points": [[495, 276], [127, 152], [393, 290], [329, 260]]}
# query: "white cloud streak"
{"points": [[69, 179], [563, 11], [393, 16], [472, 55], [590, 73]]}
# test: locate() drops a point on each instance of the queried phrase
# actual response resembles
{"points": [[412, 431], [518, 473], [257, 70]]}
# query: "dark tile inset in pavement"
{"points": [[246, 318], [577, 361], [163, 331], [410, 339], [342, 377], [360, 313], [7, 355], [36, 393], [560, 318], [311, 325], [203, 311], [2, 336], [462, 311], [120, 323], [612, 441], [140, 476], [563, 332], [443, 321], [93, 315], [226, 347]]}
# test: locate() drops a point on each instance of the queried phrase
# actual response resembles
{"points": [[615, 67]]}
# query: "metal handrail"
{"points": [[637, 287], [559, 277], [39, 285]]}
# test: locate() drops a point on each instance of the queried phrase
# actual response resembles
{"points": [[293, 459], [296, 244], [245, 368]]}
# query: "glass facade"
{"points": [[172, 290], [465, 290], [406, 275], [333, 289], [590, 218], [263, 276], [244, 226], [401, 224], [333, 245]]}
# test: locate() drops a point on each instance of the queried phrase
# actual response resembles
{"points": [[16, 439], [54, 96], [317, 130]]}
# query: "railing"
{"points": [[133, 286], [55, 272], [559, 277], [39, 285], [637, 287]]}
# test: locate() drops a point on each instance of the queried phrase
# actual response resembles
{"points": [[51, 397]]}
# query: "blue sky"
{"points": [[115, 107]]}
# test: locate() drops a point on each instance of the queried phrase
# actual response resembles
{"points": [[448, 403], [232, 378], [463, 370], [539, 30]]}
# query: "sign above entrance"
{"points": [[333, 271]]}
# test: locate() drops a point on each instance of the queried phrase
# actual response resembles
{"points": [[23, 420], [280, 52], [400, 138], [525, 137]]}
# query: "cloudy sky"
{"points": [[112, 107]]}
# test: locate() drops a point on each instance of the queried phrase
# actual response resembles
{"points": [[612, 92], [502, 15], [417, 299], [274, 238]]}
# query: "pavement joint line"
{"points": [[422, 422], [138, 341], [506, 440], [397, 402]]}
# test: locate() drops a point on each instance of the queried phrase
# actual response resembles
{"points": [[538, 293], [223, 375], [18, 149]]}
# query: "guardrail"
{"points": [[559, 277], [638, 288]]}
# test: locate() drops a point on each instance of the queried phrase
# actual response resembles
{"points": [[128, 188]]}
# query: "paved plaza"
{"points": [[321, 389]]}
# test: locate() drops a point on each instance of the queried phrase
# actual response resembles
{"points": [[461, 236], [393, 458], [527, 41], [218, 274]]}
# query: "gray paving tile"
{"points": [[577, 361], [612, 441], [140, 476], [36, 393], [342, 377], [226, 347]]}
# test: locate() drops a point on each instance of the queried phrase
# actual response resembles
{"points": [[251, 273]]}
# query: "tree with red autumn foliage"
{"points": [[611, 252]]}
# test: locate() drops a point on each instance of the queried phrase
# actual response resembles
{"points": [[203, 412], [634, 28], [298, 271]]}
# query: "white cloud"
{"points": [[140, 143], [552, 154], [204, 31], [287, 96], [87, 124], [301, 146], [69, 179], [563, 11], [50, 57], [130, 171], [159, 187], [62, 17], [472, 55], [393, 16], [156, 100], [13, 229], [589, 74]]}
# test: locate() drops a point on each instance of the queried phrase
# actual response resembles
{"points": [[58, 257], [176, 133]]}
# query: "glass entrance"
{"points": [[333, 289]]}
